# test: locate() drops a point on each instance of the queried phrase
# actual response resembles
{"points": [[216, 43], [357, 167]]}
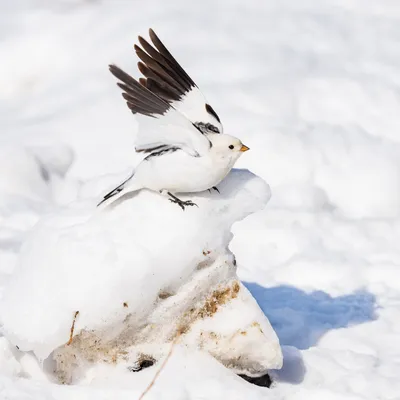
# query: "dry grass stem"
{"points": [[71, 335], [162, 366]]}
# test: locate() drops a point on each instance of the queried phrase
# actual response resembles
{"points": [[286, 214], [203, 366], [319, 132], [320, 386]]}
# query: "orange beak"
{"points": [[244, 148]]}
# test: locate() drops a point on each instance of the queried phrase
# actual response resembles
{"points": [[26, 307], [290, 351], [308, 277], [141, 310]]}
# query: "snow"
{"points": [[311, 87], [139, 283]]}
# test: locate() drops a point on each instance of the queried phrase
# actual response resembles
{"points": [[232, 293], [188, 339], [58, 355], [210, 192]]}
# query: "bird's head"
{"points": [[226, 146]]}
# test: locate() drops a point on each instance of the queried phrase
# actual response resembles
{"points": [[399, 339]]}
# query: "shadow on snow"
{"points": [[300, 319]]}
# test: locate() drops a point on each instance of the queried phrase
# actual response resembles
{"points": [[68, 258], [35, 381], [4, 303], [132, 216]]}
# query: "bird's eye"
{"points": [[231, 146]]}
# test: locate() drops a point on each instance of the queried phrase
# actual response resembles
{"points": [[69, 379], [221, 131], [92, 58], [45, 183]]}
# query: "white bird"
{"points": [[181, 131]]}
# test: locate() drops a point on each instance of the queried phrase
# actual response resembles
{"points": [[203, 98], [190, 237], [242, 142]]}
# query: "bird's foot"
{"points": [[182, 204], [215, 188]]}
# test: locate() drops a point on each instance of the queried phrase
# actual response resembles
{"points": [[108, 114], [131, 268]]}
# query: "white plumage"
{"points": [[172, 129], [177, 127]]}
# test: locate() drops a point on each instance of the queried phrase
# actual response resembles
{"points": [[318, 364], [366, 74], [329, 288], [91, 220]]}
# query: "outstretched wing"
{"points": [[169, 81], [161, 126]]}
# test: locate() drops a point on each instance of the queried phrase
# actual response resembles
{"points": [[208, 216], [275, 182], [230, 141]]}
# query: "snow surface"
{"points": [[312, 88]]}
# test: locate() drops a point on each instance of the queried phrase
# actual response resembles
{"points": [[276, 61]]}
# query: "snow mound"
{"points": [[30, 182], [141, 274], [30, 173]]}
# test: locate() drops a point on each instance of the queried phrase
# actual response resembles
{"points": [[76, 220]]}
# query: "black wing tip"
{"points": [[113, 67], [109, 195], [150, 32], [142, 41], [117, 72], [153, 36], [145, 71], [140, 100], [159, 60], [211, 111]]}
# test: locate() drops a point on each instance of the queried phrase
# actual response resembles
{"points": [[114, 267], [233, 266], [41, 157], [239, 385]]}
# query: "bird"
{"points": [[179, 132]]}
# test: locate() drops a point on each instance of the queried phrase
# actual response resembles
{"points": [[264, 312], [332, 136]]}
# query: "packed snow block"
{"points": [[138, 275]]}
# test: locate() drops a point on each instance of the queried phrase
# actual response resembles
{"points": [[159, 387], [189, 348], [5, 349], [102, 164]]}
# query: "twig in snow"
{"points": [[71, 335]]}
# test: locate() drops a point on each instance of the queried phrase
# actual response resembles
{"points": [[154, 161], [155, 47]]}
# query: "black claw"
{"points": [[215, 188], [177, 202], [180, 202], [190, 203]]}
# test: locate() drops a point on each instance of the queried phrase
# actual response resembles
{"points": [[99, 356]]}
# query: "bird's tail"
{"points": [[118, 192]]}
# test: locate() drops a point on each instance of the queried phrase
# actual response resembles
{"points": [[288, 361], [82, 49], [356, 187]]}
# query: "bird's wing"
{"points": [[115, 191], [161, 126], [169, 81]]}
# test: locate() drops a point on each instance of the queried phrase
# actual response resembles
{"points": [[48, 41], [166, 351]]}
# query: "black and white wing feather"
{"points": [[169, 81], [161, 126]]}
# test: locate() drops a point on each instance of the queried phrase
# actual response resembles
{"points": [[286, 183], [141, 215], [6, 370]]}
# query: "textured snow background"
{"points": [[312, 87]]}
